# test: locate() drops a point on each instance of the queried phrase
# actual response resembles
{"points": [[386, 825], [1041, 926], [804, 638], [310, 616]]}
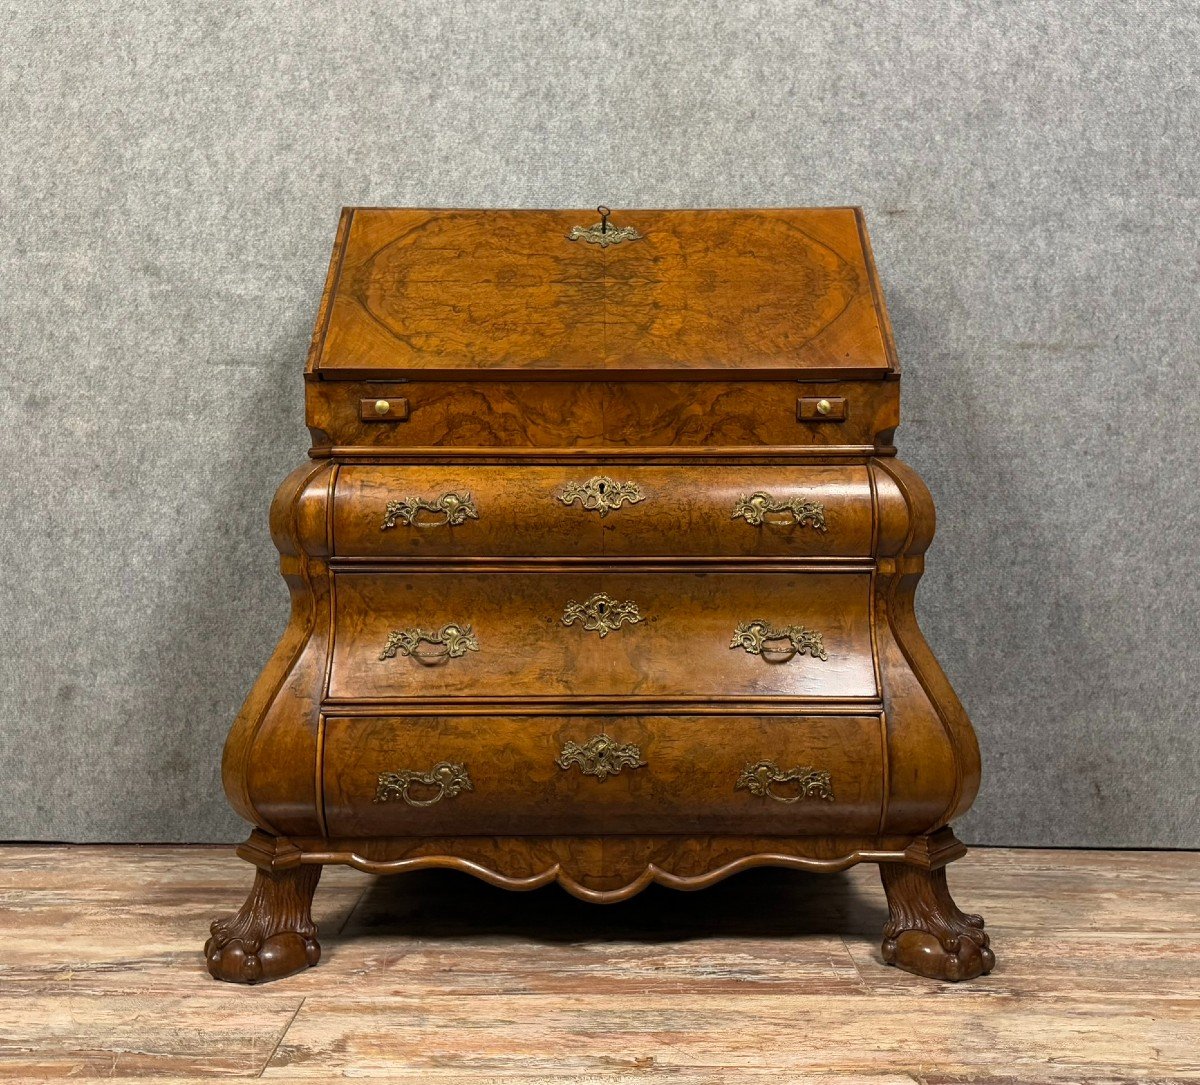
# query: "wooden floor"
{"points": [[770, 977]]}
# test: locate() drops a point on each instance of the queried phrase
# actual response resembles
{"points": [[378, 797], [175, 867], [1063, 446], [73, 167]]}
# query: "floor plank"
{"points": [[88, 1035], [71, 866], [1059, 1041], [435, 977]]}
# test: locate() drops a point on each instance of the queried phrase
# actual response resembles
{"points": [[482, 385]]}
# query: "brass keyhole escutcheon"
{"points": [[602, 614], [824, 407], [600, 756], [601, 494], [382, 406], [603, 234]]}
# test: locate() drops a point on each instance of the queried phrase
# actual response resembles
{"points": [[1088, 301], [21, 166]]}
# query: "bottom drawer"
{"points": [[579, 775]]}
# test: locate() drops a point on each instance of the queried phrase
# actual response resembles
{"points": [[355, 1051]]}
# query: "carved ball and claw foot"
{"points": [[926, 933], [273, 934]]}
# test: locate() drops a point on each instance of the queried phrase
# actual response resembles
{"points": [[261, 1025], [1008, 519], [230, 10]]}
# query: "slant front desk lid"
{"points": [[423, 294]]}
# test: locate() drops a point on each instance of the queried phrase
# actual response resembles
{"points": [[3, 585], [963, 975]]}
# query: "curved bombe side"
{"points": [[933, 755], [269, 764]]}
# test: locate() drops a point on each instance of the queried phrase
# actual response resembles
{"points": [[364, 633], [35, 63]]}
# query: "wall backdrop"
{"points": [[170, 179]]}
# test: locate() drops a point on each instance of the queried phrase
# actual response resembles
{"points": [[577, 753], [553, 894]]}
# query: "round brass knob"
{"points": [[824, 406], [382, 406]]}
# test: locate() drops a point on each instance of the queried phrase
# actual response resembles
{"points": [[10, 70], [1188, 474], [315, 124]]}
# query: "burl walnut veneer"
{"points": [[602, 572]]}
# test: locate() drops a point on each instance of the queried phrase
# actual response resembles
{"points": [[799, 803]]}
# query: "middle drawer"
{"points": [[688, 635], [535, 511]]}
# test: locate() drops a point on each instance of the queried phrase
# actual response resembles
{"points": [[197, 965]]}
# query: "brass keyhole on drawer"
{"points": [[600, 756], [601, 614], [601, 494]]}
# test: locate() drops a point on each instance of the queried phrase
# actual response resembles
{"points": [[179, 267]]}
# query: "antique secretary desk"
{"points": [[602, 572]]}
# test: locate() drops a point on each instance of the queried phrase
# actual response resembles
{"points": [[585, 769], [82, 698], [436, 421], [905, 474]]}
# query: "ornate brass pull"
{"points": [[601, 614], [760, 505], [454, 508], [778, 645], [601, 494], [600, 756], [602, 234], [451, 641], [450, 779], [758, 778]]}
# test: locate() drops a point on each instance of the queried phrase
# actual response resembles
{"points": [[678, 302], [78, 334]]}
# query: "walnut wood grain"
{"points": [[686, 783], [679, 512], [272, 743], [497, 420], [680, 648], [493, 293]]}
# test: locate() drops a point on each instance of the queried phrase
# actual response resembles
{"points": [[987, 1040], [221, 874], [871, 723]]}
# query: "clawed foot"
{"points": [[926, 933], [273, 934]]}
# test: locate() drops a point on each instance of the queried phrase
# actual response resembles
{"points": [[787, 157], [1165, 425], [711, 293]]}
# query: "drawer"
{"points": [[448, 775], [448, 511], [432, 419], [624, 635]]}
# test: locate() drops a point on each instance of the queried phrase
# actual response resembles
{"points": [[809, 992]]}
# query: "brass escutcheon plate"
{"points": [[601, 614], [601, 494], [600, 756], [602, 233]]}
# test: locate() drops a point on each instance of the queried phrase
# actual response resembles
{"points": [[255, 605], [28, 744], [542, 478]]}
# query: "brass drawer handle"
{"points": [[759, 506], [758, 778], [778, 645], [601, 494], [600, 756], [449, 778], [601, 614], [453, 508], [451, 641]]}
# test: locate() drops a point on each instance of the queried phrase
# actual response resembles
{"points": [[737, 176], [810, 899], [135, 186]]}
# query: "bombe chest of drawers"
{"points": [[602, 572]]}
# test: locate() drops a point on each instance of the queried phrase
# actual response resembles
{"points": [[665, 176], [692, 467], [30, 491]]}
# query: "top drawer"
{"points": [[448, 511]]}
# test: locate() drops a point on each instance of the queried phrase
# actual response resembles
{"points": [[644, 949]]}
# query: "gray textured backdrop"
{"points": [[169, 187]]}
